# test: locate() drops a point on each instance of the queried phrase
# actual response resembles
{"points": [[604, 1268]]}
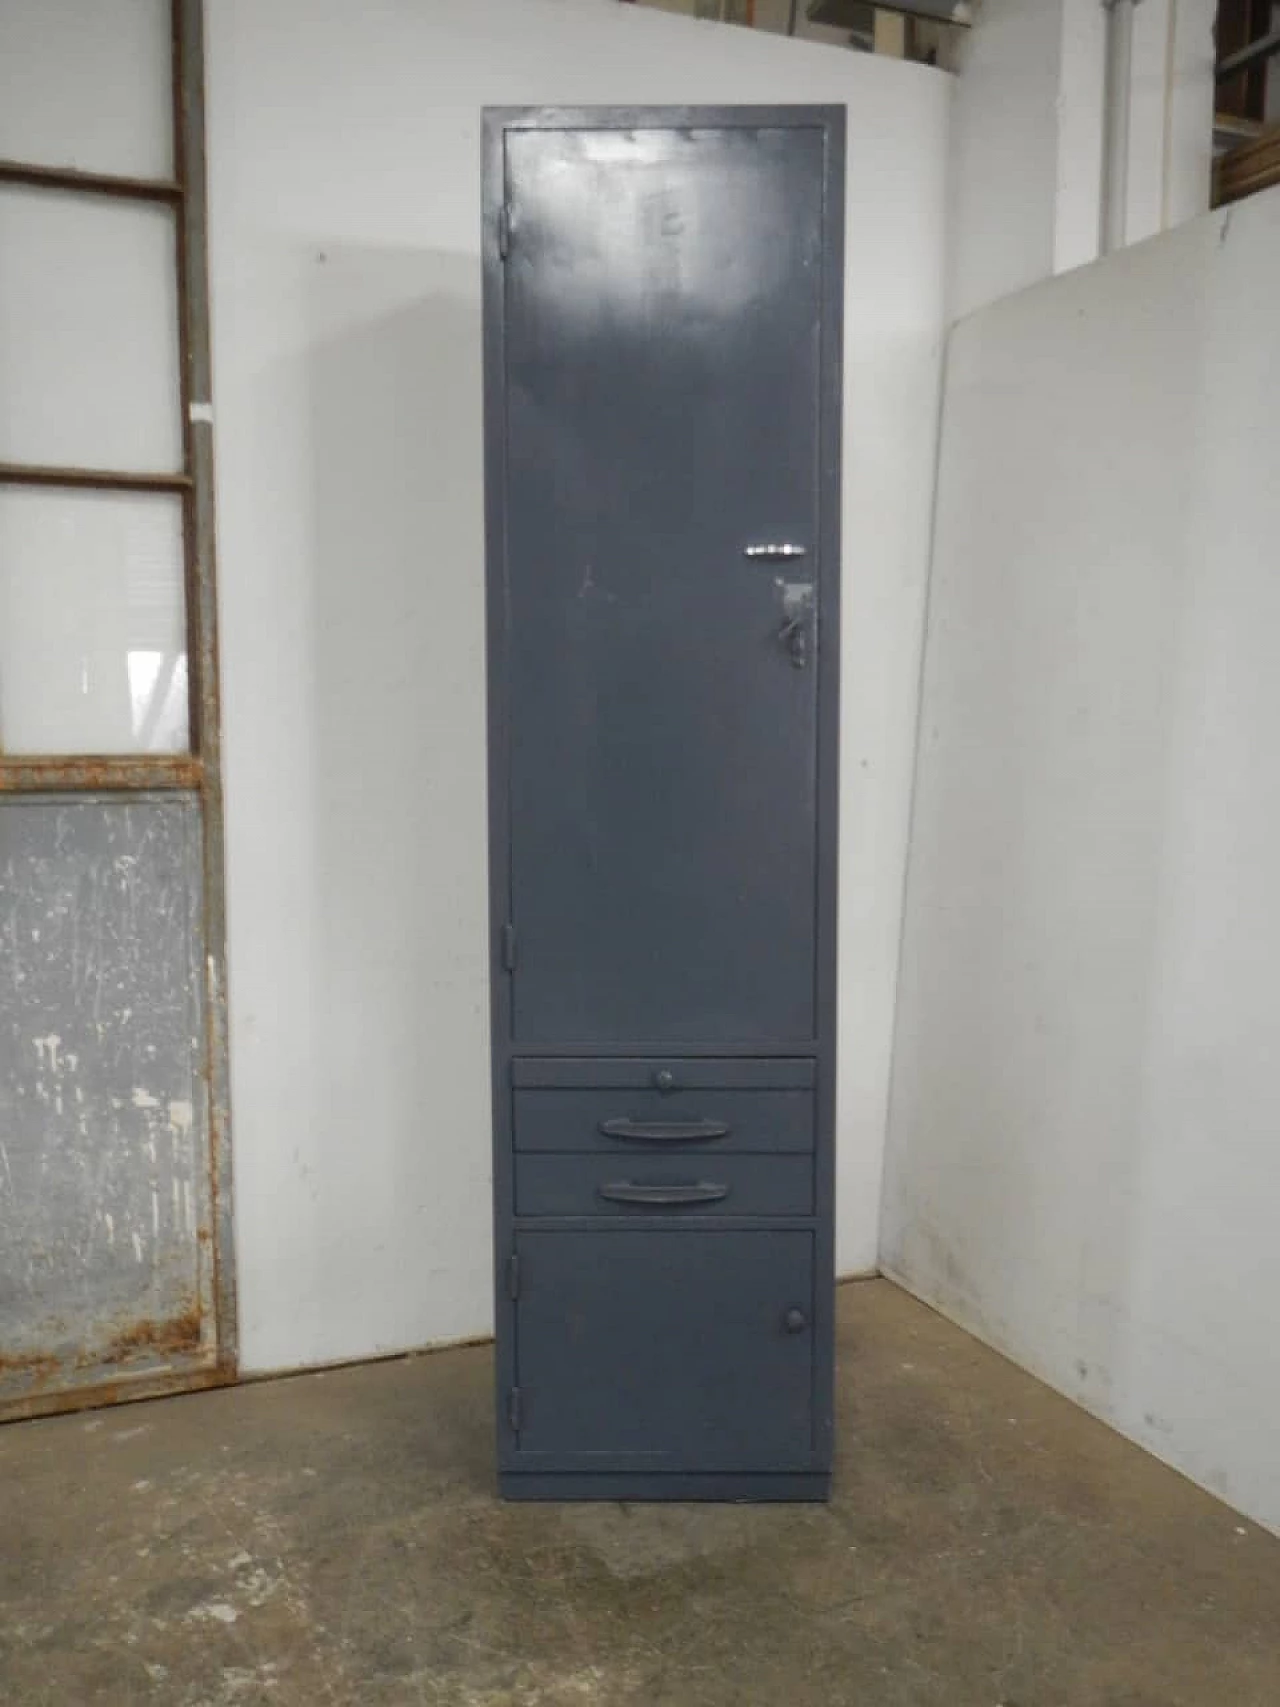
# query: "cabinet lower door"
{"points": [[663, 1349]]}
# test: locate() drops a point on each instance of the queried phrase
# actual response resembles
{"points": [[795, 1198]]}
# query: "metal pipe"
{"points": [[791, 21], [1246, 56], [1115, 119]]}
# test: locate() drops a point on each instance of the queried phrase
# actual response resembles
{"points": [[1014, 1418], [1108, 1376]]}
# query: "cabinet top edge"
{"points": [[818, 116]]}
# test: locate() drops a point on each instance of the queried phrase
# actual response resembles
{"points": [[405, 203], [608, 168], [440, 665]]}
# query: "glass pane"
{"points": [[93, 646], [88, 332], [87, 83]]}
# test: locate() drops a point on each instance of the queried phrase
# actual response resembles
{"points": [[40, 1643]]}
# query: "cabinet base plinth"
{"points": [[734, 1486]]}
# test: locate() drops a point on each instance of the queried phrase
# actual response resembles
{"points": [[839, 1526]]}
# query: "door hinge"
{"points": [[513, 1276], [504, 231], [509, 947], [515, 1410]]}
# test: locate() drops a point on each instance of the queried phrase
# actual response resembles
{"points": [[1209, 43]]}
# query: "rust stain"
{"points": [[127, 1391], [147, 1337], [20, 775], [39, 1366]]}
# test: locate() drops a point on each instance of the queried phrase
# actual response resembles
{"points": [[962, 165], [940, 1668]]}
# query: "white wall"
{"points": [[1170, 167], [345, 240], [1004, 151], [1028, 130], [1083, 1161]]}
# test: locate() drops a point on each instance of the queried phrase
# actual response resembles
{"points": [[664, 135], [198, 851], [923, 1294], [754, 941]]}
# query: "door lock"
{"points": [[794, 635]]}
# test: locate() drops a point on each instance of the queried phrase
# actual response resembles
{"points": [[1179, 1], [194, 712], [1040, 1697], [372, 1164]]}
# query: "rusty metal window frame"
{"points": [[185, 194], [198, 771]]}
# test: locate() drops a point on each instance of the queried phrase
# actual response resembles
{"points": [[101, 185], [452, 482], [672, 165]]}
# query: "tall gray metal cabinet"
{"points": [[662, 388]]}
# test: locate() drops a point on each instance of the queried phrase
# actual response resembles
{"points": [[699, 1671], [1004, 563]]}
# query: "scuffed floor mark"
{"points": [[216, 1611], [244, 1683], [637, 1541], [530, 1685]]}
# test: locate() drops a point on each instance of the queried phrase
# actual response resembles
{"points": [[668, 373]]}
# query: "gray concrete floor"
{"points": [[334, 1539]]}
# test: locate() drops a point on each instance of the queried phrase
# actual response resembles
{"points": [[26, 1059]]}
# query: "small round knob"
{"points": [[664, 1080], [795, 1321]]}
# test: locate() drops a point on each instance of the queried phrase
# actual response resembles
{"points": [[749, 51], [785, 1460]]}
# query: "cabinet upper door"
{"points": [[663, 343]]}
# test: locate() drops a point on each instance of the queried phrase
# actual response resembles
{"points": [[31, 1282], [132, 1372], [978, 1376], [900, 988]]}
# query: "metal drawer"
{"points": [[668, 1073], [640, 1185], [623, 1122], [672, 1107]]}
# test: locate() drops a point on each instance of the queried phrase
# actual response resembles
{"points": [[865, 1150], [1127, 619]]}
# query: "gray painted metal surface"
{"points": [[671, 1122], [662, 307], [662, 356], [625, 1307], [105, 1203], [638, 1184]]}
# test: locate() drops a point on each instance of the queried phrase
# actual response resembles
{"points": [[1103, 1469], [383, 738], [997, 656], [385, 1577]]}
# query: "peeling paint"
{"points": [[797, 596], [47, 1047], [105, 1172]]}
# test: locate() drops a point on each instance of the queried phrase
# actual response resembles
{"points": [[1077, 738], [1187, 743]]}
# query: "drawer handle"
{"points": [[664, 1131], [662, 1196]]}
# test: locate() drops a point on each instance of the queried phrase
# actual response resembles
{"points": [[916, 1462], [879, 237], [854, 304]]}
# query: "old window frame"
{"points": [[198, 772]]}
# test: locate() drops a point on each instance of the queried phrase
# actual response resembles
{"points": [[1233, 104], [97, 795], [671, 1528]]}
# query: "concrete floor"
{"points": [[333, 1539]]}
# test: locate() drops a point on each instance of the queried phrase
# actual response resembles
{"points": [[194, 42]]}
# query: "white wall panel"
{"points": [[1083, 1164]]}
